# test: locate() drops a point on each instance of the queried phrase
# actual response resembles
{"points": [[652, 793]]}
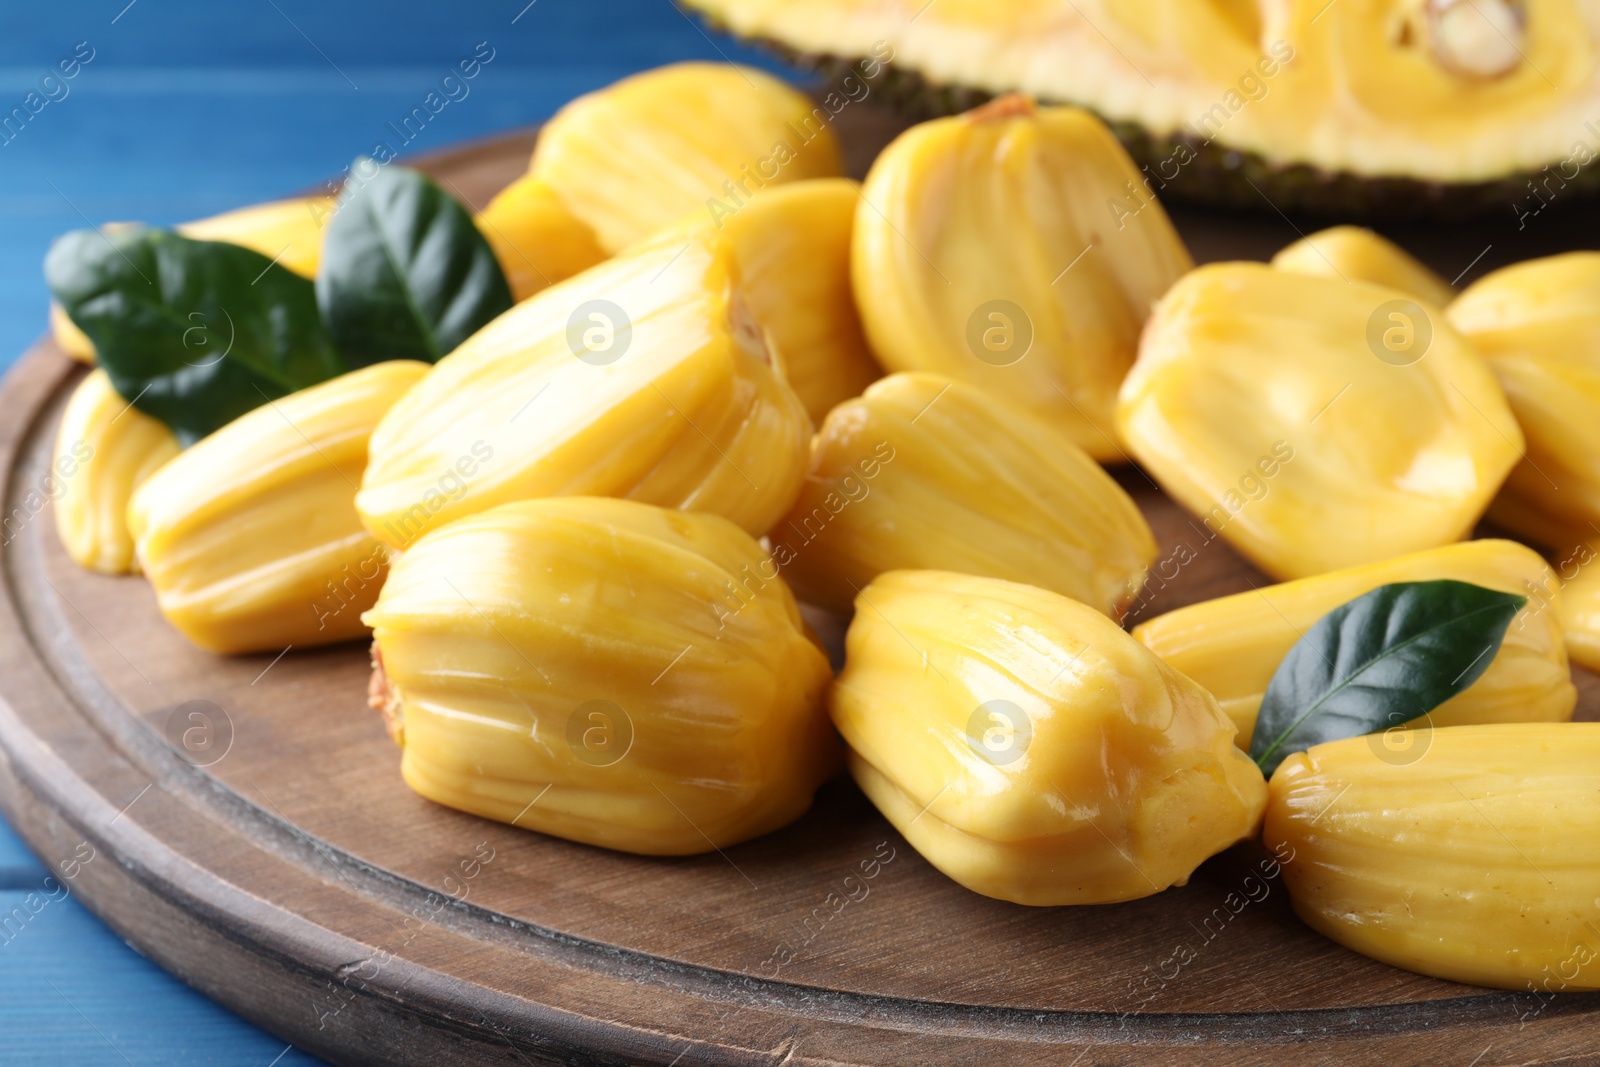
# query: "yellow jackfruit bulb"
{"points": [[287, 231], [924, 472], [1580, 602], [1315, 424], [605, 671], [638, 155], [1474, 861], [1355, 254], [536, 240], [643, 377], [71, 340], [1233, 646], [105, 449], [1029, 748], [1538, 325], [792, 244], [251, 537], [1015, 248]]}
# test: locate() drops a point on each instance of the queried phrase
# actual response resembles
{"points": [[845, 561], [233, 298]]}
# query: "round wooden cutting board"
{"points": [[295, 878]]}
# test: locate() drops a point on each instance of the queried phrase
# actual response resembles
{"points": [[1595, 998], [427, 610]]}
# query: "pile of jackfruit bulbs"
{"points": [[734, 381]]}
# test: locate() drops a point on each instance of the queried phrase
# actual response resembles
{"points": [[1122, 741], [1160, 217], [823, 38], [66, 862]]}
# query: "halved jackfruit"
{"points": [[984, 251], [638, 155], [1378, 106], [1315, 424]]}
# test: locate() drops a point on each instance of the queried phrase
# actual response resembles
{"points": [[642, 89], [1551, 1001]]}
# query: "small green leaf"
{"points": [[405, 273], [1383, 659], [194, 333]]}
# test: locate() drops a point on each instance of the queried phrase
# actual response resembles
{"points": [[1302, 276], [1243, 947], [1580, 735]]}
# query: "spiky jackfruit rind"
{"points": [[1213, 174]]}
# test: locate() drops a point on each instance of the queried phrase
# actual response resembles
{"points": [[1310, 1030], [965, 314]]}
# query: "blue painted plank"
{"points": [[18, 867], [74, 993], [316, 34]]}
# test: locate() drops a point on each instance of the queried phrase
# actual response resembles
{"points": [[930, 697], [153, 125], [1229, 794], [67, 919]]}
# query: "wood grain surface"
{"points": [[297, 879]]}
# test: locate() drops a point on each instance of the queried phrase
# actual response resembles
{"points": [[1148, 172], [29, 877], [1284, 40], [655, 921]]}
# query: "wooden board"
{"points": [[296, 878]]}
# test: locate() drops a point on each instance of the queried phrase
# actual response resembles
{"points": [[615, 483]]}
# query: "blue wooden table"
{"points": [[179, 109]]}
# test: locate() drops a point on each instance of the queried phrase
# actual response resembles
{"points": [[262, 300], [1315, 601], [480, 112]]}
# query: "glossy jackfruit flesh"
{"points": [[1580, 602], [984, 250], [1232, 646], [1351, 253], [286, 231], [925, 472], [1029, 748], [604, 671], [1384, 106], [636, 156], [644, 377], [1316, 424], [71, 340], [792, 250], [105, 449], [535, 239], [251, 538], [1475, 862], [1538, 325]]}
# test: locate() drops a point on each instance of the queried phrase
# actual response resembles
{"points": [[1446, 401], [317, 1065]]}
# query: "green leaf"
{"points": [[1383, 659], [194, 333], [405, 273]]}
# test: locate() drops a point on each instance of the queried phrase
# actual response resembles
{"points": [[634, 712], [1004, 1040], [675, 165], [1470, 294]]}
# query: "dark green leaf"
{"points": [[194, 333], [1383, 659], [405, 273]]}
